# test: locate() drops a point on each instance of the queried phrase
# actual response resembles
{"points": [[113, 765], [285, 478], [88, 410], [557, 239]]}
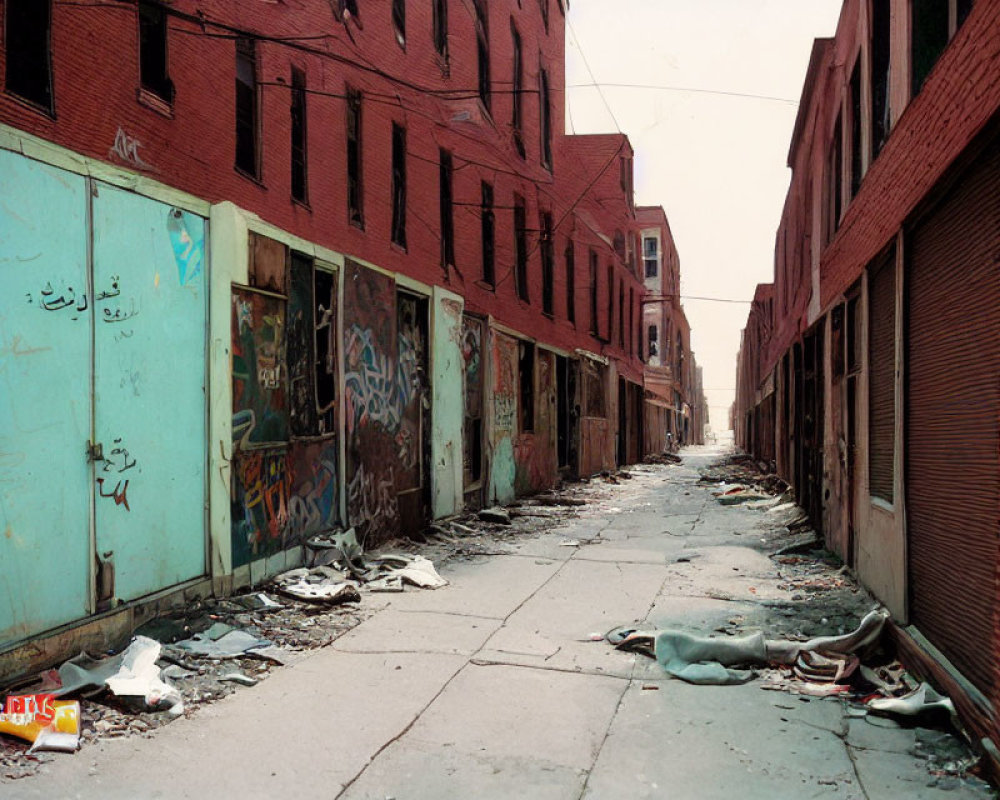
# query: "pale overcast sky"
{"points": [[715, 162]]}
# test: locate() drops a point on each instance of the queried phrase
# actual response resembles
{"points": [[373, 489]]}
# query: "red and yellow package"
{"points": [[47, 723]]}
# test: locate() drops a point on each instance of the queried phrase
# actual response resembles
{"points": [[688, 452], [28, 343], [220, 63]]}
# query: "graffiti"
{"points": [[130, 379], [119, 493], [504, 412], [120, 315], [126, 148], [188, 247], [377, 390], [114, 291], [47, 301], [263, 478], [371, 501], [312, 506], [118, 460], [260, 412]]}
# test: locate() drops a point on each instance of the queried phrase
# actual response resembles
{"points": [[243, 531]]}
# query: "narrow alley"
{"points": [[502, 684]]}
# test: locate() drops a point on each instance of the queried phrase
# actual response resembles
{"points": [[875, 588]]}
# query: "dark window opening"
{"points": [[355, 195], [247, 148], [440, 23], [521, 249], [621, 314], [517, 90], [543, 6], [853, 336], [626, 180], [593, 292], [489, 233], [326, 350], [545, 118], [446, 210], [962, 9], [26, 36], [929, 37], [399, 21], [611, 304], [619, 244], [632, 338], [856, 154], [637, 329], [299, 191], [483, 51], [548, 278], [570, 282], [881, 32], [348, 8], [651, 255], [653, 335], [526, 384], [399, 185], [838, 172], [153, 74]]}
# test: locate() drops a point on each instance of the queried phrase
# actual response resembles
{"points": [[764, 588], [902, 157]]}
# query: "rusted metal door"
{"points": [[952, 404]]}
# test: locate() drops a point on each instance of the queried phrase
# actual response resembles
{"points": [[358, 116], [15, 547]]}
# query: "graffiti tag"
{"points": [[126, 148]]}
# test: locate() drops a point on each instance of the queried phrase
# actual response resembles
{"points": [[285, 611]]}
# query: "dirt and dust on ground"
{"points": [[212, 648]]}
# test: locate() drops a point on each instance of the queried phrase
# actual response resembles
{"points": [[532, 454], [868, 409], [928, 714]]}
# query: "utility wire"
{"points": [[593, 78], [665, 88]]}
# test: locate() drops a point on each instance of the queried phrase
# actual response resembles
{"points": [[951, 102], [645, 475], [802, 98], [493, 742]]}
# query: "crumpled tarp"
{"points": [[714, 661], [222, 641]]}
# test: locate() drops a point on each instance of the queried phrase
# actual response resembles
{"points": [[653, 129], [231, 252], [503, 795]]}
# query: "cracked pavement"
{"points": [[493, 686]]}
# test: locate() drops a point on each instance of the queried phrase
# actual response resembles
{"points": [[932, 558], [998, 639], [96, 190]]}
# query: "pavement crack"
{"points": [[604, 739], [857, 772]]}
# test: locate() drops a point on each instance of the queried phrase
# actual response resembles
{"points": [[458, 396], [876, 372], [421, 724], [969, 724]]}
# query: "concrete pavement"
{"points": [[492, 687]]}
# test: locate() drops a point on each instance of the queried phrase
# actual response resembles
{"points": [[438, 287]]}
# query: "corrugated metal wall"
{"points": [[952, 463]]}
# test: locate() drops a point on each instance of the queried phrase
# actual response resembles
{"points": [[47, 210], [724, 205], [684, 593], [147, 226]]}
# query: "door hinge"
{"points": [[95, 451]]}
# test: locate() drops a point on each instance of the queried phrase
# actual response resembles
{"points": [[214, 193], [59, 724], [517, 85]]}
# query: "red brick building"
{"points": [[342, 253], [886, 340]]}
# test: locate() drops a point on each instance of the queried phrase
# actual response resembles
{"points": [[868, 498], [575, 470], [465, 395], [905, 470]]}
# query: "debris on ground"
{"points": [[663, 458]]}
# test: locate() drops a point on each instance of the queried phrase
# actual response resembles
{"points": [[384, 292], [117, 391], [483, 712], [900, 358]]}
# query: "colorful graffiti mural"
{"points": [[260, 407], [376, 388]]}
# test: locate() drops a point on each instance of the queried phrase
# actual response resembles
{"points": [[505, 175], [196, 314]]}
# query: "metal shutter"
{"points": [[953, 401], [882, 376]]}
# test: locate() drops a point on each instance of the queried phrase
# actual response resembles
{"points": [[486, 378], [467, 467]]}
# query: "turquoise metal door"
{"points": [[45, 400], [149, 291]]}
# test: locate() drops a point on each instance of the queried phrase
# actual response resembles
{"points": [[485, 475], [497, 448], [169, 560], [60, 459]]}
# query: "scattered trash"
{"points": [[495, 515], [326, 592], [415, 570], [47, 723], [231, 644], [569, 543], [240, 678], [131, 675]]}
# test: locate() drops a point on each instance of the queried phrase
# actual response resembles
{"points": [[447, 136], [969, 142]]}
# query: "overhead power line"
{"points": [[593, 77], [665, 88]]}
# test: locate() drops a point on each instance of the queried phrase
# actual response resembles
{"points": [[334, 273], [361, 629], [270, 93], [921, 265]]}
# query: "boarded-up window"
{"points": [[882, 376]]}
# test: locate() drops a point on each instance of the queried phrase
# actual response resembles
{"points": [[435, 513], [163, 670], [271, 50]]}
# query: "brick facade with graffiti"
{"points": [[398, 288]]}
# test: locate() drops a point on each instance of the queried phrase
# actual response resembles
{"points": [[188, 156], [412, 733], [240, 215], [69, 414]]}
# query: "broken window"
{"points": [[399, 21], [355, 196], [399, 185], [446, 211], [548, 288], [881, 33], [653, 337], [517, 89], [521, 249], [570, 282], [483, 51], [545, 117], [857, 164], [929, 36], [299, 136], [153, 75], [247, 146], [488, 232], [526, 384], [441, 27], [26, 36], [651, 255]]}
